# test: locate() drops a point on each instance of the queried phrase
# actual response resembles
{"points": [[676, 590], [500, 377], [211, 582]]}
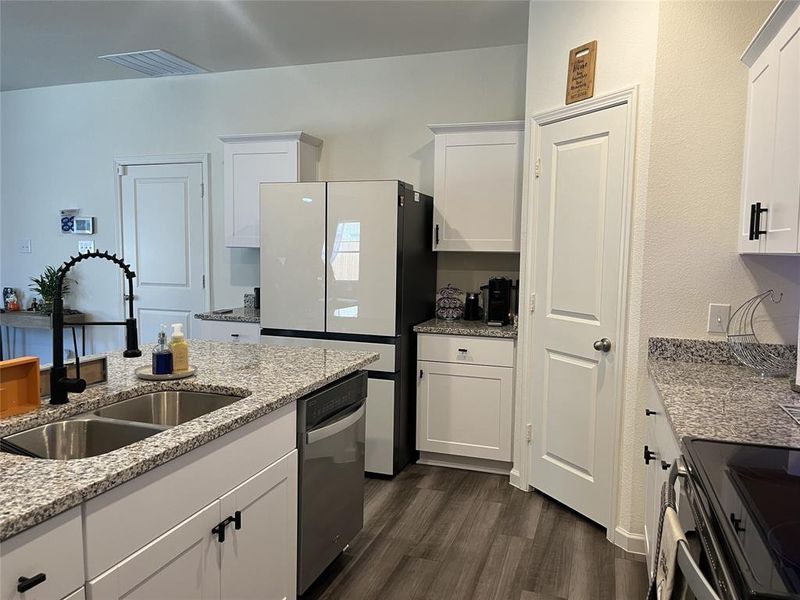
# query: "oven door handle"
{"points": [[337, 426], [693, 575]]}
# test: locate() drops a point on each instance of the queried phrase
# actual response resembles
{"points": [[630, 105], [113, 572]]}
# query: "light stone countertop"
{"points": [[267, 377], [722, 401], [461, 327], [237, 315]]}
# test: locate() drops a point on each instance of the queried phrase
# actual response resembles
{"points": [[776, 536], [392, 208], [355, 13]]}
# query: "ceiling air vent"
{"points": [[155, 63]]}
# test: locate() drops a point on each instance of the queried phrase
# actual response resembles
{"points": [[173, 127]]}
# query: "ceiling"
{"points": [[53, 42]]}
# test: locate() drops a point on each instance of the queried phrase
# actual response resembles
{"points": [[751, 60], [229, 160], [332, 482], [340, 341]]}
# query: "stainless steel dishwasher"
{"points": [[330, 440]]}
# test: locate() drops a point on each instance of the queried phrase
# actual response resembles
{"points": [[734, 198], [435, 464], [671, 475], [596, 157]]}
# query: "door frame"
{"points": [[122, 161], [521, 475]]}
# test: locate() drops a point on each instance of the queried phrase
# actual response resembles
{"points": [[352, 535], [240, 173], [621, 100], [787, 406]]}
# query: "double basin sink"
{"points": [[114, 426]]}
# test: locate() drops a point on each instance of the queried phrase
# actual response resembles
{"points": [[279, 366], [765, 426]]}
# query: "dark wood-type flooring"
{"points": [[446, 534]]}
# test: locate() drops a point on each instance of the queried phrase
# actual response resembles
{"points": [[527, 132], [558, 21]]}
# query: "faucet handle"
{"points": [[74, 385]]}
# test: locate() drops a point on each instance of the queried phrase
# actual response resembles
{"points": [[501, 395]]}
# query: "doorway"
{"points": [[164, 228], [571, 363]]}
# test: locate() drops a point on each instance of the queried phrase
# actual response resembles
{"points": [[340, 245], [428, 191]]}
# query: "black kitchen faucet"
{"points": [[60, 384]]}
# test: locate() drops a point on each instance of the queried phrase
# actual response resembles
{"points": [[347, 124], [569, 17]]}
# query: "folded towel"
{"points": [[666, 563]]}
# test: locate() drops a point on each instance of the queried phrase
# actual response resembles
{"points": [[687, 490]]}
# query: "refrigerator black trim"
{"points": [[324, 335]]}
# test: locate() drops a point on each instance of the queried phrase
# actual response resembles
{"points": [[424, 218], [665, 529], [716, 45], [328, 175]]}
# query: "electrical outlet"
{"points": [[24, 246], [85, 246], [718, 317]]}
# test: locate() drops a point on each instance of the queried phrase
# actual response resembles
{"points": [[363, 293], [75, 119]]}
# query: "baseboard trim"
{"points": [[434, 459], [516, 481], [631, 542]]}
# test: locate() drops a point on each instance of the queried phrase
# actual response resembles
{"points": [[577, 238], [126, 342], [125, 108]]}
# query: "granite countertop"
{"points": [[461, 327], [238, 315], [707, 395], [267, 377]]}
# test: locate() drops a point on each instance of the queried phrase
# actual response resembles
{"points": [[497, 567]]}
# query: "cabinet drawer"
{"points": [[465, 350], [54, 548], [228, 331]]}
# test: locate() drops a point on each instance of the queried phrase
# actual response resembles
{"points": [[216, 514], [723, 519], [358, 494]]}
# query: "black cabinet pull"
{"points": [[234, 335], [648, 455], [752, 221], [26, 583], [421, 373], [219, 530], [737, 524], [436, 235], [648, 412], [755, 221], [665, 465], [462, 350]]}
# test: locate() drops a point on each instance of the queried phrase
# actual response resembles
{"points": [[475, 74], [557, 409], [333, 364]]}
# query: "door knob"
{"points": [[602, 345]]}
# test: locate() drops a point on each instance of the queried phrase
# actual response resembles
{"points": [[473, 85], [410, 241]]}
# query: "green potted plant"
{"points": [[45, 286]]}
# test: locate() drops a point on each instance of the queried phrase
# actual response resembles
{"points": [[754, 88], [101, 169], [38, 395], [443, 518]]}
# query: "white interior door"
{"points": [[293, 256], [580, 211], [163, 232], [362, 257]]}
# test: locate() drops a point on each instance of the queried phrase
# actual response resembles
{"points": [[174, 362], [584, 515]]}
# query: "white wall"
{"points": [[58, 144], [685, 58], [626, 34]]}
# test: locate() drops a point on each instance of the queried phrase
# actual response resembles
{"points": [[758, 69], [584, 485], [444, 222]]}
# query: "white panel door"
{"points": [[783, 219], [580, 212], [293, 256], [465, 410], [379, 446], [362, 257], [163, 233], [259, 560], [181, 564]]}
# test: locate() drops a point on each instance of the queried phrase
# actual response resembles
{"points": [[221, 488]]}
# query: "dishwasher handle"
{"points": [[694, 577], [338, 426]]}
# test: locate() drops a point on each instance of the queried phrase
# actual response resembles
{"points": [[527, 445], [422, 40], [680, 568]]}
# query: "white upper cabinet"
{"points": [[478, 186], [253, 159], [770, 219]]}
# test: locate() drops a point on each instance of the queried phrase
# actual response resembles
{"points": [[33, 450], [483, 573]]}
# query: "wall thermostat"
{"points": [[83, 225]]}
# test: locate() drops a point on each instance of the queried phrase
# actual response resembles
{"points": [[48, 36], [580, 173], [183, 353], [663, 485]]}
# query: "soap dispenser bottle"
{"points": [[180, 348], [162, 355]]}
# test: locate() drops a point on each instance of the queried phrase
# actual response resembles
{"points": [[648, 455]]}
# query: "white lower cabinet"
{"points": [[182, 563], [259, 560], [241, 546], [228, 331], [465, 408]]}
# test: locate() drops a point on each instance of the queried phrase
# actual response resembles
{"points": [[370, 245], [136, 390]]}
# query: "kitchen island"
{"points": [[135, 506]]}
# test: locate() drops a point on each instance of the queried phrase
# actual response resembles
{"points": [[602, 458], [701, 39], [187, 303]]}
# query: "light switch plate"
{"points": [[24, 246], [85, 246], [718, 317]]}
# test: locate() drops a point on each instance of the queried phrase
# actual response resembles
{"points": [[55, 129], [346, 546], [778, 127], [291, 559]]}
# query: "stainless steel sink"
{"points": [[168, 408], [80, 437]]}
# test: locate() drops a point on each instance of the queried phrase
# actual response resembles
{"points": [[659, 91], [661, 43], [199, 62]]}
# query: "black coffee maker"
{"points": [[472, 307], [498, 302]]}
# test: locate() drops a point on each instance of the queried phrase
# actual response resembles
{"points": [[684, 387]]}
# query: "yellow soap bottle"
{"points": [[180, 348]]}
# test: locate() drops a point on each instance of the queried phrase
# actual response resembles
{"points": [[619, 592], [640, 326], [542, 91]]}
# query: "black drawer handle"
{"points": [[26, 583], [219, 530], [235, 335], [648, 455], [665, 465], [648, 412], [462, 350]]}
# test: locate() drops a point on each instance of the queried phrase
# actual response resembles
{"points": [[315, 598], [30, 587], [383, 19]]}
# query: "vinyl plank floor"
{"points": [[437, 534]]}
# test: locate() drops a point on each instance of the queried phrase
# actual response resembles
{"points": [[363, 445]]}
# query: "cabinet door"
{"points": [[293, 256], [260, 559], [247, 165], [784, 204], [465, 410], [762, 88], [379, 448], [477, 191], [362, 257], [181, 564]]}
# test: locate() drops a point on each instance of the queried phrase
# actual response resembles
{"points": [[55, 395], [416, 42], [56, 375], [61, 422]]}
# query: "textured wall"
{"points": [[58, 144], [626, 34]]}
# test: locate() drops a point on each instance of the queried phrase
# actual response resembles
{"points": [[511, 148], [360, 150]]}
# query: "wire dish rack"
{"points": [[745, 345]]}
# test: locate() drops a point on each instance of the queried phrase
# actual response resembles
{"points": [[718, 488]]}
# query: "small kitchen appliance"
{"points": [[498, 307], [472, 307]]}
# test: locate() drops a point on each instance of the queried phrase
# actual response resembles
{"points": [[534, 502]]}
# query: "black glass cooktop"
{"points": [[754, 494]]}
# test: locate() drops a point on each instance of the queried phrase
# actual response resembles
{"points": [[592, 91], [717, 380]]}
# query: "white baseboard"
{"points": [[516, 481], [452, 461], [631, 542]]}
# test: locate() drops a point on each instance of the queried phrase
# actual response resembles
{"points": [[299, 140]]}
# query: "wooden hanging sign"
{"points": [[580, 76]]}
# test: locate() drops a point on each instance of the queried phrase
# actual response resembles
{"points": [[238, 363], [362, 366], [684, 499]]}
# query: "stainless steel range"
{"points": [[745, 499], [330, 442]]}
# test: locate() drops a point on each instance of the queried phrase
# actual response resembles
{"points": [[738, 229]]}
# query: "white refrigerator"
{"points": [[348, 265]]}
